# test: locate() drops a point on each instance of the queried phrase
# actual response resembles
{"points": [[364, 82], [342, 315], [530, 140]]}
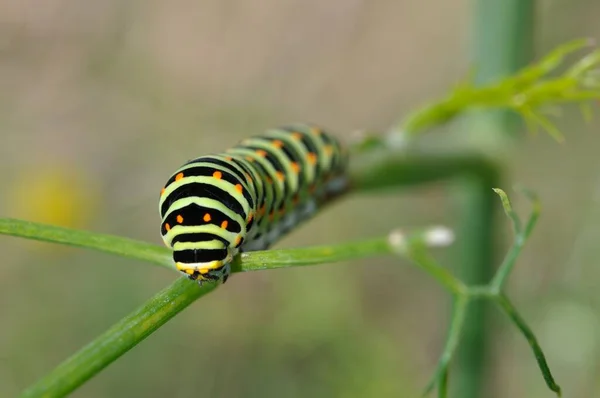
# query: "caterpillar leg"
{"points": [[209, 275]]}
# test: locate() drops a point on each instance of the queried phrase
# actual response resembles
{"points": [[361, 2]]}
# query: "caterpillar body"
{"points": [[247, 197]]}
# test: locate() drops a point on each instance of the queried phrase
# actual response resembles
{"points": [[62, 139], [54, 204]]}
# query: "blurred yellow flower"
{"points": [[56, 194]]}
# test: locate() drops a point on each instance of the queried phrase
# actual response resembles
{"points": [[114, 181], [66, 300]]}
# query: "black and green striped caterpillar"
{"points": [[244, 199]]}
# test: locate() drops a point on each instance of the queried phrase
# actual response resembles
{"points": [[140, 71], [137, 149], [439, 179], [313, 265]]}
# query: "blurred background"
{"points": [[101, 101]]}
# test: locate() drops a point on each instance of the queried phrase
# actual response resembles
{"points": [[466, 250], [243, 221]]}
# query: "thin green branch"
{"points": [[459, 312], [140, 324], [124, 247], [507, 307], [415, 248], [521, 236], [119, 339]]}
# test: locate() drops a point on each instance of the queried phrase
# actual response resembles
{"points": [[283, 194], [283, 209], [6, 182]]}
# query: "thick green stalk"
{"points": [[476, 258], [502, 43]]}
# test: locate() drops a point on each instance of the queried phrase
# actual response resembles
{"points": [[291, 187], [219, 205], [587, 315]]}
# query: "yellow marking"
{"points": [[312, 158], [238, 187], [238, 240], [328, 149], [297, 136], [261, 153], [167, 227], [189, 271], [204, 271], [262, 210], [250, 216], [179, 266], [179, 218], [279, 175], [224, 224], [207, 217], [178, 176], [277, 143], [296, 167], [250, 158], [248, 177], [217, 175]]}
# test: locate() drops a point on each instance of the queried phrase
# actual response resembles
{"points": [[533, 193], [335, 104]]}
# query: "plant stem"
{"points": [[502, 43], [91, 240], [119, 339], [475, 256]]}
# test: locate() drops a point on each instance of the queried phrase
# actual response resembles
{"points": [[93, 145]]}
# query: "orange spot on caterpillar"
{"points": [[217, 175], [250, 158], [315, 130], [269, 180], [248, 177], [297, 136], [279, 175], [238, 187], [224, 224], [162, 191], [238, 240], [250, 217], [312, 158], [271, 216], [179, 176], [295, 167], [328, 149], [228, 158], [261, 153], [207, 217], [277, 143], [179, 218], [167, 227]]}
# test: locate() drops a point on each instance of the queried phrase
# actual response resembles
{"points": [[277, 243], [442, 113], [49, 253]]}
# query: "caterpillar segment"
{"points": [[244, 199]]}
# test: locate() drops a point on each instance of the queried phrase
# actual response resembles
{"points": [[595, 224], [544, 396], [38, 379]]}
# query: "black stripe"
{"points": [[310, 147], [199, 237], [221, 163], [193, 214], [199, 255], [205, 171], [202, 190]]}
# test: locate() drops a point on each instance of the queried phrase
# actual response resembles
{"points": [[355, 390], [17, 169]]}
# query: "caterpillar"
{"points": [[244, 199]]}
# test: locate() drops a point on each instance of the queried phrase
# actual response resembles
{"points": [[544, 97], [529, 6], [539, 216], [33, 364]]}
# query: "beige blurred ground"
{"points": [[101, 101]]}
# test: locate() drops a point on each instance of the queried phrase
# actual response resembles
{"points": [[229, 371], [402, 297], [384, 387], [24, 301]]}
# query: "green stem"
{"points": [[475, 255], [119, 339], [140, 324], [507, 307], [459, 312], [91, 240], [502, 43]]}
